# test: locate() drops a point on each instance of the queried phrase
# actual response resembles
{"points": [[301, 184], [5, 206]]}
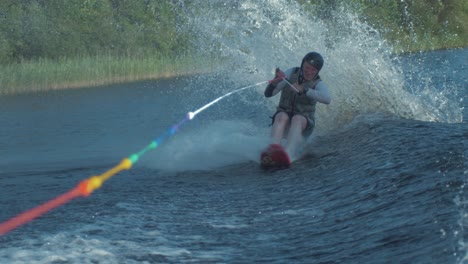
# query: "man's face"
{"points": [[309, 71]]}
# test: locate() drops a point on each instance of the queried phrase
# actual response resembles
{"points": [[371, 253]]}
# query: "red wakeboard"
{"points": [[274, 157]]}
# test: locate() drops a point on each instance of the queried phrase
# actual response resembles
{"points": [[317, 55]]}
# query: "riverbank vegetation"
{"points": [[46, 44], [46, 74], [410, 26]]}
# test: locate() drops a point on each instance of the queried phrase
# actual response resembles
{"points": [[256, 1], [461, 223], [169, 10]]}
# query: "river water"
{"points": [[383, 179], [378, 189]]}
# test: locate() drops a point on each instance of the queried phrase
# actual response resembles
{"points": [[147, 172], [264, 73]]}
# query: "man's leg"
{"points": [[295, 138], [279, 126]]}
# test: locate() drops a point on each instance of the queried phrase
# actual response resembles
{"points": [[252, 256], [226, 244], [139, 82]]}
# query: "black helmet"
{"points": [[313, 58]]}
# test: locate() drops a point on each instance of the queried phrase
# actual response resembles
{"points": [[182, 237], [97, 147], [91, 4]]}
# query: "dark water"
{"points": [[377, 189]]}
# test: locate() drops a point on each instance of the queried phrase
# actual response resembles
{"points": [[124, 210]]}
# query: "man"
{"points": [[301, 88]]}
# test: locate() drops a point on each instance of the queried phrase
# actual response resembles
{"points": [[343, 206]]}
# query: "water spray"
{"points": [[86, 187]]}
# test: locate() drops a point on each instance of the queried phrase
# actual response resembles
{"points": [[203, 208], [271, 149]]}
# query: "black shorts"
{"points": [[309, 127]]}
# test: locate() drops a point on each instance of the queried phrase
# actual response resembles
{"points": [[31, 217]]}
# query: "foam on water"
{"points": [[216, 144]]}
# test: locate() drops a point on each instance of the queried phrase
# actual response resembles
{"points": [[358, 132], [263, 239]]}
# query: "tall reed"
{"points": [[84, 71]]}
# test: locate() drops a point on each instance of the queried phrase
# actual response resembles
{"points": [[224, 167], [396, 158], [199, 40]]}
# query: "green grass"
{"points": [[46, 74]]}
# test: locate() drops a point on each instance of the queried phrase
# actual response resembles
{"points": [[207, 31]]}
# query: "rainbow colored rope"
{"points": [[88, 186]]}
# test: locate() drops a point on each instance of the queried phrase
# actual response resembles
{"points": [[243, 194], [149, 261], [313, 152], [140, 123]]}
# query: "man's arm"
{"points": [[269, 90], [320, 93]]}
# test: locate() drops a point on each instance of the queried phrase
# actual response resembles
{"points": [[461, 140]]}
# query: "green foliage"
{"points": [[33, 29], [409, 25]]}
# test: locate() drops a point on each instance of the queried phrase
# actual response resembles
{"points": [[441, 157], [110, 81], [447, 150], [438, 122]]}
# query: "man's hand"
{"points": [[279, 75], [299, 87]]}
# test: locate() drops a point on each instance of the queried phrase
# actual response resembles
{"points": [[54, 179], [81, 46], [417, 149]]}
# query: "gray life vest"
{"points": [[293, 103]]}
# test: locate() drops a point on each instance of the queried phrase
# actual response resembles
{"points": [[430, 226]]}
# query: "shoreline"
{"points": [[405, 48], [46, 75], [94, 83], [409, 52]]}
